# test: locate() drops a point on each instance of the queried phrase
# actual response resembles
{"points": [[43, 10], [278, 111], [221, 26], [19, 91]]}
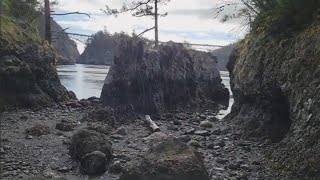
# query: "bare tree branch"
{"points": [[145, 31], [63, 14]]}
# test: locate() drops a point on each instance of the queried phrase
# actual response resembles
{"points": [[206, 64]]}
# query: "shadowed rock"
{"points": [[169, 159], [86, 141], [158, 80]]}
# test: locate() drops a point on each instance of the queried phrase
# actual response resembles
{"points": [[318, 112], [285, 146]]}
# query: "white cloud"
{"points": [[188, 18]]}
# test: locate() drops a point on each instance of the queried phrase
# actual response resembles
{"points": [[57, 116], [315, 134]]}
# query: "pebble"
{"points": [[117, 137], [29, 137], [177, 122], [190, 131], [202, 133], [202, 116], [206, 124], [173, 128], [217, 132], [121, 131], [221, 161], [234, 166], [194, 143], [2, 151], [185, 138]]}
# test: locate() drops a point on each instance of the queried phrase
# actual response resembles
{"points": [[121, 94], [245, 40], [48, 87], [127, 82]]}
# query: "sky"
{"points": [[188, 20]]}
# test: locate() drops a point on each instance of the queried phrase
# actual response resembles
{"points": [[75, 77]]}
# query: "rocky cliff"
{"points": [[166, 78], [223, 56], [275, 82], [28, 77], [99, 51], [62, 44]]}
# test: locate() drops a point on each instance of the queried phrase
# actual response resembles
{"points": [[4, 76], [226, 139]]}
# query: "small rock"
{"points": [[213, 119], [177, 122], [202, 116], [173, 128], [117, 136], [116, 167], [194, 143], [217, 132], [221, 144], [29, 137], [221, 161], [190, 131], [202, 133], [93, 163], [64, 169], [181, 116], [66, 127], [242, 177], [256, 163], [121, 131], [234, 166], [218, 169], [185, 138], [206, 124], [2, 151], [38, 130], [24, 117]]}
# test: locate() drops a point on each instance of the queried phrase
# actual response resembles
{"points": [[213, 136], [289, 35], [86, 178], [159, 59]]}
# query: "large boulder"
{"points": [[157, 80], [275, 82], [93, 163], [168, 159], [87, 141]]}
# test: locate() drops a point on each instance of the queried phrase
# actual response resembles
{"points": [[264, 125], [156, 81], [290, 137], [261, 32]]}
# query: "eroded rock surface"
{"points": [[275, 82], [157, 80]]}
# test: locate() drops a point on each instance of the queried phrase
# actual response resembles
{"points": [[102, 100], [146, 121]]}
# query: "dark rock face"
{"points": [[223, 56], [87, 141], [29, 80], [93, 163], [99, 51], [28, 77], [154, 81], [275, 82], [62, 44], [169, 159]]}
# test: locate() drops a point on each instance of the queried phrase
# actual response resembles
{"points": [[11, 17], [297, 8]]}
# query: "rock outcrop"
{"points": [[62, 44], [162, 79], [167, 160], [100, 50], [275, 82], [223, 56], [28, 77]]}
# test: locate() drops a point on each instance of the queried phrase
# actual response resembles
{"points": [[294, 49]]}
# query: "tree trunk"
{"points": [[47, 21], [156, 38]]}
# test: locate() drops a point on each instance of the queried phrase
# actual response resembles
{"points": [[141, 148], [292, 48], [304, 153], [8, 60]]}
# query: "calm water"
{"points": [[84, 80], [87, 80]]}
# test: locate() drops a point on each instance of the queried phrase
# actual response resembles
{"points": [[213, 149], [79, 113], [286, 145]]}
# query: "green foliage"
{"points": [[266, 14], [25, 11]]}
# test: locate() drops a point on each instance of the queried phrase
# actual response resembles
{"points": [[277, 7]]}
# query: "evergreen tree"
{"points": [[142, 8]]}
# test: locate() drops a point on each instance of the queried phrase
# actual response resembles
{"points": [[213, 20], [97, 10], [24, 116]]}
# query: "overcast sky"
{"points": [[187, 20]]}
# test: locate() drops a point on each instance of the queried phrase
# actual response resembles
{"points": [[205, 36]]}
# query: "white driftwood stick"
{"points": [[153, 126]]}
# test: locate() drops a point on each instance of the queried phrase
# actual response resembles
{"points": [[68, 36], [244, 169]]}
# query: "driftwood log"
{"points": [[152, 125]]}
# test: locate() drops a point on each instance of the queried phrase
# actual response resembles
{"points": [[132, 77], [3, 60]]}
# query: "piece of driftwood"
{"points": [[152, 125]]}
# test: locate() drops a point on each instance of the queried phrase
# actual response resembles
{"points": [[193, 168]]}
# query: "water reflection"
{"points": [[84, 80], [87, 80]]}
